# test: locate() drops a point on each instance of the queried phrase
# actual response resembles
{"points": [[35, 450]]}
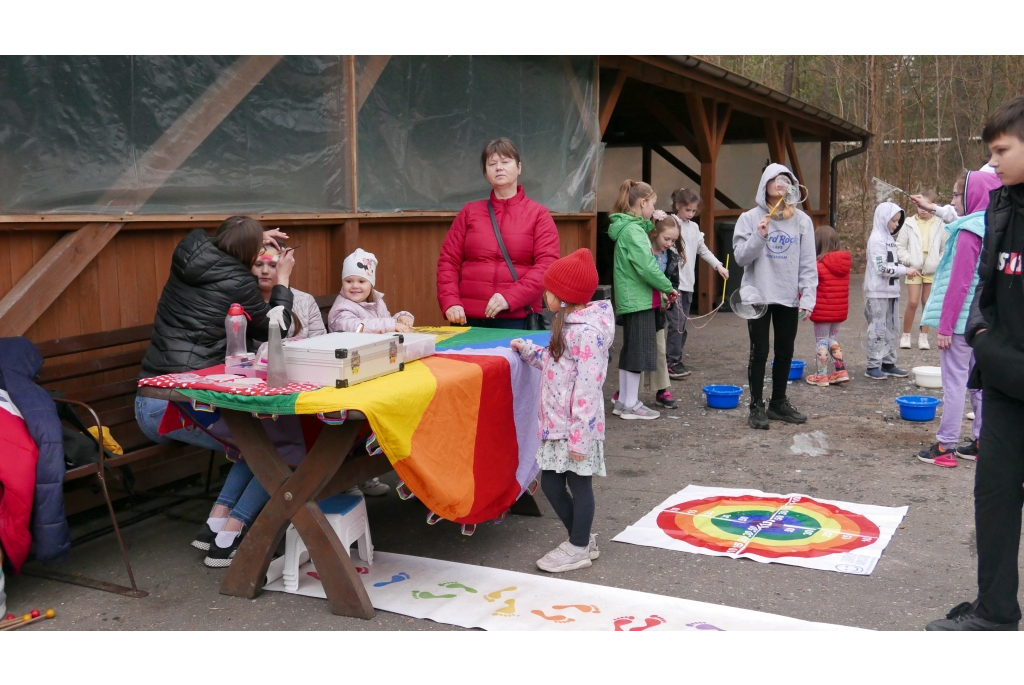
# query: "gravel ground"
{"points": [[928, 567]]}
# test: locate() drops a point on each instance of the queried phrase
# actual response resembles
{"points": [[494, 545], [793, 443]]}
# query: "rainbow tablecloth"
{"points": [[460, 427]]}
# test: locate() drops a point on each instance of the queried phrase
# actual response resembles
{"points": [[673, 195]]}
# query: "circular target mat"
{"points": [[769, 527]]}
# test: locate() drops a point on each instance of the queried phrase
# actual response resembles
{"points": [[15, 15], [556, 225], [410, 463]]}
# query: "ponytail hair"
{"points": [[556, 346], [630, 193], [684, 196]]}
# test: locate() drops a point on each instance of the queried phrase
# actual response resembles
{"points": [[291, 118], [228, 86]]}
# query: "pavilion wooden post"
{"points": [[345, 236], [710, 120], [47, 279], [645, 164], [776, 147]]}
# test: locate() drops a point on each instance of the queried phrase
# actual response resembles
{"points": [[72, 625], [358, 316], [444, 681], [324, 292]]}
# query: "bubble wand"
{"points": [[724, 281]]}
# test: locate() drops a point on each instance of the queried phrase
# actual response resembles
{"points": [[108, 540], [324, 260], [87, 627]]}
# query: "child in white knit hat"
{"points": [[359, 308]]}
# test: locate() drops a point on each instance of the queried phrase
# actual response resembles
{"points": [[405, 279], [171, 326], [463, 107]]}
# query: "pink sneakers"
{"points": [[938, 455], [821, 381]]}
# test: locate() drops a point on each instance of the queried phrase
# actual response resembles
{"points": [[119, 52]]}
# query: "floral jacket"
{"points": [[571, 401]]}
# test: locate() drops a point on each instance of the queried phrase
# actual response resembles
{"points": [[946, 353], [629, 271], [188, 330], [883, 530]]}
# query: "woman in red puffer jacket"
{"points": [[474, 283], [832, 307]]}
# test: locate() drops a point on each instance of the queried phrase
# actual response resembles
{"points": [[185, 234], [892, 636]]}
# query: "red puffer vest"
{"points": [[833, 304], [471, 268]]}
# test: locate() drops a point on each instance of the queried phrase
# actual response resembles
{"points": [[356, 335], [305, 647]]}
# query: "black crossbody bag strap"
{"points": [[534, 321], [501, 242]]}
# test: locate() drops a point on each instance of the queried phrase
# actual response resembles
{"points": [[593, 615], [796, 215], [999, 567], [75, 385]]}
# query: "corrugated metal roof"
{"points": [[734, 79]]}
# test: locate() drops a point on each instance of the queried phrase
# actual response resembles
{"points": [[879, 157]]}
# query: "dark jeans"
{"points": [[785, 321], [572, 498], [998, 501], [516, 324], [675, 328]]}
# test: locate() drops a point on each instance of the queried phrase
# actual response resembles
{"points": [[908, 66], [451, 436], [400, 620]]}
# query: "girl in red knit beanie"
{"points": [[573, 369]]}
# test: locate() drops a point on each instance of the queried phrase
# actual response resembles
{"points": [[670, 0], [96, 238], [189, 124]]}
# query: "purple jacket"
{"points": [[571, 400], [346, 315]]}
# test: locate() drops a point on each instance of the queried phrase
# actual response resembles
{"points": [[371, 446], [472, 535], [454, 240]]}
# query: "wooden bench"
{"points": [[98, 375]]}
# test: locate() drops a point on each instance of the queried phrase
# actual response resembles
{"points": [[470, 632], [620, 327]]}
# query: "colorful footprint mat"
{"points": [[496, 599], [784, 529]]}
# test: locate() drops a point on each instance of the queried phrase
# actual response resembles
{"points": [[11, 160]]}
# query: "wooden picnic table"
{"points": [[325, 471]]}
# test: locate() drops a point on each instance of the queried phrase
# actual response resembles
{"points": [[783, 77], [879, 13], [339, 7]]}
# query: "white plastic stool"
{"points": [[347, 516]]}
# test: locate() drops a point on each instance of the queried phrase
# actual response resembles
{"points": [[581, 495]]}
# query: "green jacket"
{"points": [[636, 271]]}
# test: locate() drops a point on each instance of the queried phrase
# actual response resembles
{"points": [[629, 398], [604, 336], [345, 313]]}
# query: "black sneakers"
{"points": [[678, 371], [204, 538], [784, 411], [220, 557], [664, 398], [964, 616], [758, 419], [968, 450], [894, 371]]}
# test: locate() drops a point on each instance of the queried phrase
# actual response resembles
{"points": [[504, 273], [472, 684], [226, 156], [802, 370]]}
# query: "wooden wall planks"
{"points": [[122, 286]]}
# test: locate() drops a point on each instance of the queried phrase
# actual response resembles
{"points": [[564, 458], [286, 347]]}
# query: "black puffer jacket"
{"points": [[188, 331]]}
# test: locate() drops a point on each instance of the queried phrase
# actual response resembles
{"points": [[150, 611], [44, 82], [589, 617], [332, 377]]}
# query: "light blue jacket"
{"points": [[975, 223]]}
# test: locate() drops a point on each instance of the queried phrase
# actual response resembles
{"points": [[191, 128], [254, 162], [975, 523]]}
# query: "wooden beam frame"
{"points": [[666, 73], [674, 126], [608, 105], [709, 124], [351, 103], [368, 79], [46, 280], [692, 175], [773, 136], [787, 137]]}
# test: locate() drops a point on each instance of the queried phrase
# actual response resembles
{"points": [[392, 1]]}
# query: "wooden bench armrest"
{"points": [[99, 427]]}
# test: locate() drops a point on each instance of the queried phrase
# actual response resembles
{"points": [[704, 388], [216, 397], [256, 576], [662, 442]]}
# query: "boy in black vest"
{"points": [[995, 330]]}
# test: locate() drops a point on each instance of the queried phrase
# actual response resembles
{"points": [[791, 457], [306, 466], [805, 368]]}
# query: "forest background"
{"points": [[926, 113]]}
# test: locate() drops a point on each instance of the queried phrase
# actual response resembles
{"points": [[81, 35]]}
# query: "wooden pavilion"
{"points": [[86, 242]]}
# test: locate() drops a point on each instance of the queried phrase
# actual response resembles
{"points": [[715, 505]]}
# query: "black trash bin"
{"points": [[723, 243]]}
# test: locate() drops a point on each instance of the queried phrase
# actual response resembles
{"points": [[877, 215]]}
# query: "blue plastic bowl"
{"points": [[723, 396], [918, 407], [796, 369]]}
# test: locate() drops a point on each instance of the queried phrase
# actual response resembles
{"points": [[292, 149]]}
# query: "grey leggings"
{"points": [[572, 498]]}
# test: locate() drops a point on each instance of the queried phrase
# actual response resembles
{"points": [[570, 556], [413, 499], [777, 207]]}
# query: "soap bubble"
{"points": [[748, 302]]}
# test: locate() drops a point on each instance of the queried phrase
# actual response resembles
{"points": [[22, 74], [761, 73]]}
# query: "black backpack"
{"points": [[80, 447]]}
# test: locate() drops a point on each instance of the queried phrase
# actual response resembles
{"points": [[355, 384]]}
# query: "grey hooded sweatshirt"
{"points": [[783, 266], [883, 272]]}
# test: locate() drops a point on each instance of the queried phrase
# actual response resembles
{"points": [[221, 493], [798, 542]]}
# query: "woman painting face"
{"points": [[265, 268], [502, 171]]}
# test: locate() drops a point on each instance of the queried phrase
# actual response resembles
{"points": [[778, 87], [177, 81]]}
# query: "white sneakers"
{"points": [[922, 342], [640, 411], [567, 557]]}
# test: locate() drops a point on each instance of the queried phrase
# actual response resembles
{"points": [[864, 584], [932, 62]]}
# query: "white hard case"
{"points": [[418, 345], [343, 359]]}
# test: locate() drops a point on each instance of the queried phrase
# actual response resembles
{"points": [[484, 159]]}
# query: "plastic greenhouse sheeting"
{"points": [[72, 126], [424, 125]]}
